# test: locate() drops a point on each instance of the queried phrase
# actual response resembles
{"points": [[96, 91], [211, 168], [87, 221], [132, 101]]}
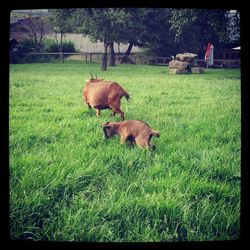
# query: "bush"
{"points": [[51, 45], [26, 58], [68, 46], [25, 46]]}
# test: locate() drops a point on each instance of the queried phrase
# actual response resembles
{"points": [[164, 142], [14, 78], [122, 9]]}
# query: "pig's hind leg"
{"points": [[116, 109], [98, 112], [150, 144], [142, 142], [115, 104], [145, 142]]}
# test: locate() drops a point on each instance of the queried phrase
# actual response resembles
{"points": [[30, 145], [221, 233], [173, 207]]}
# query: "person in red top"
{"points": [[207, 53]]}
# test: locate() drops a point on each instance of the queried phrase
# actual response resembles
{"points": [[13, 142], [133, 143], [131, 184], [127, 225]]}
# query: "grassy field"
{"points": [[69, 184]]}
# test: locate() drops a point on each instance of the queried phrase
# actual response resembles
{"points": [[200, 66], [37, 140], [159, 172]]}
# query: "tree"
{"points": [[34, 31], [194, 28], [99, 24], [109, 25], [164, 32], [130, 32], [234, 25], [157, 38], [59, 20], [148, 28], [111, 54]]}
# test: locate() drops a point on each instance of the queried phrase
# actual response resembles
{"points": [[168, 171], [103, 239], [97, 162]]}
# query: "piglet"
{"points": [[135, 131]]}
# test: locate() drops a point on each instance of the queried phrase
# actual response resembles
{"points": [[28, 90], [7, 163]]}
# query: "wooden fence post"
{"points": [[62, 57]]}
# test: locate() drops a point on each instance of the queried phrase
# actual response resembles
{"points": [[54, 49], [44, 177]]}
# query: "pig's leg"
{"points": [[115, 106], [112, 114], [150, 144], [123, 139], [98, 112], [121, 114], [117, 110], [146, 142], [142, 142]]}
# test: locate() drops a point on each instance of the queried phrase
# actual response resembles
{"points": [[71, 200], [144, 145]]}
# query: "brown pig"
{"points": [[131, 130], [101, 94]]}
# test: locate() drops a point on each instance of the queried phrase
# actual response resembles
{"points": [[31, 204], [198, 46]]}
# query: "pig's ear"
{"points": [[105, 124]]}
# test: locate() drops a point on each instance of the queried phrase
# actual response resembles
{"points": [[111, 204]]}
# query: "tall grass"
{"points": [[69, 184]]}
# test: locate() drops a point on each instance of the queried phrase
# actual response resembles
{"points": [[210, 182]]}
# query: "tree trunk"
{"points": [[104, 57], [130, 46], [61, 47], [129, 49], [57, 42], [111, 54], [119, 52]]}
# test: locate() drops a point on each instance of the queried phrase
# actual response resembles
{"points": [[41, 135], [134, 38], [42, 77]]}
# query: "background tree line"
{"points": [[160, 31]]}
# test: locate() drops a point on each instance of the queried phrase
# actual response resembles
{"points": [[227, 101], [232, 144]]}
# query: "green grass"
{"points": [[69, 184]]}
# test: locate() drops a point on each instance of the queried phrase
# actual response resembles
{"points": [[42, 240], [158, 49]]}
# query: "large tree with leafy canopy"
{"points": [[100, 24], [194, 28]]}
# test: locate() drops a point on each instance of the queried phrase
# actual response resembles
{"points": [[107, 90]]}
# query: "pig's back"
{"points": [[136, 127], [101, 93], [98, 95]]}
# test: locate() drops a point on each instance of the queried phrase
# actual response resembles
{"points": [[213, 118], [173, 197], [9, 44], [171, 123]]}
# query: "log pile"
{"points": [[185, 64]]}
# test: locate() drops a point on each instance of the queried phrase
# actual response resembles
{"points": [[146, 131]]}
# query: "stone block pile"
{"points": [[185, 64]]}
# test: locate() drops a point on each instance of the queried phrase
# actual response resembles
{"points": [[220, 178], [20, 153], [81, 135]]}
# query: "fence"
{"points": [[221, 63], [137, 58], [92, 57], [218, 63], [88, 57]]}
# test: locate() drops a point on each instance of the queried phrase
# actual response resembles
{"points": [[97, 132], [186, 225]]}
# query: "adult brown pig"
{"points": [[131, 130], [101, 94]]}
